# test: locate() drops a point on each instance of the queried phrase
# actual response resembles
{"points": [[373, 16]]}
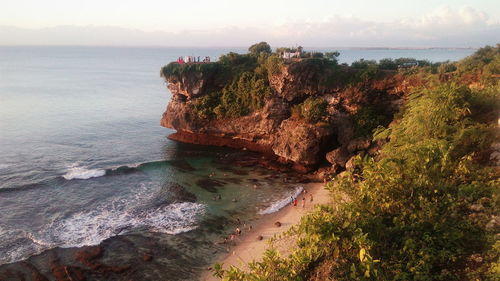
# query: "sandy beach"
{"points": [[248, 247]]}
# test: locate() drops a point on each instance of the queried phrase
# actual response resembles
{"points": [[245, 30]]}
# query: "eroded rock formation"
{"points": [[273, 129]]}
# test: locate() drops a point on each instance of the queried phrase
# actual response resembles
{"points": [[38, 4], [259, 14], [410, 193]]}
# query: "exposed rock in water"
{"points": [[147, 257], [209, 185], [66, 272], [178, 193], [182, 165]]}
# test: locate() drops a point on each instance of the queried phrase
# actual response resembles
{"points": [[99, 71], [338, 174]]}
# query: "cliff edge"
{"points": [[306, 112]]}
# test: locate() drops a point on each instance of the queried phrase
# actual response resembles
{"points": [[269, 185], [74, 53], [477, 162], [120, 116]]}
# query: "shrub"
{"points": [[479, 59], [259, 48], [388, 64], [363, 64], [238, 63], [446, 67], [317, 55], [205, 105], [177, 70], [367, 119], [269, 65], [246, 94], [408, 216], [312, 109]]}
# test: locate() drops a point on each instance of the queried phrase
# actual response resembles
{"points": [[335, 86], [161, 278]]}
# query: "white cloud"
{"points": [[443, 27]]}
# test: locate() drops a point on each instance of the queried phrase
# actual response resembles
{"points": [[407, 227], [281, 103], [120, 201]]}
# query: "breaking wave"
{"points": [[82, 173], [281, 203], [146, 209], [91, 228]]}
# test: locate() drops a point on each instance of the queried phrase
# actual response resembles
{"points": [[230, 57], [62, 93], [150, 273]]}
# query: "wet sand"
{"points": [[248, 247]]}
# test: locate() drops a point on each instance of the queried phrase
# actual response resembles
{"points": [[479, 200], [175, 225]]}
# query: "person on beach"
{"points": [[231, 239], [238, 231], [303, 202], [295, 202], [311, 197]]}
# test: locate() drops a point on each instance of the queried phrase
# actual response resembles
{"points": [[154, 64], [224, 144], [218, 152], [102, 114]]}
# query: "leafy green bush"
{"points": [[246, 94], [493, 68], [177, 70], [238, 63], [363, 64], [269, 65], [317, 55], [447, 67], [367, 119], [408, 216], [313, 110], [332, 55], [258, 48], [480, 58], [204, 106], [388, 64]]}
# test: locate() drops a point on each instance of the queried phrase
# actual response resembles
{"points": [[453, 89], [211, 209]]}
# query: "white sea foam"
{"points": [[82, 173], [139, 210], [4, 166], [15, 246], [91, 228], [281, 203]]}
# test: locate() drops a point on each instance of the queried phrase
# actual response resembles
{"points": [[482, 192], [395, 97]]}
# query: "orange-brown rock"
{"points": [[272, 130]]}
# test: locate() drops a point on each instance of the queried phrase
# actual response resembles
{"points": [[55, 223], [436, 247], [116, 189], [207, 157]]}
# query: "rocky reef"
{"points": [[313, 117]]}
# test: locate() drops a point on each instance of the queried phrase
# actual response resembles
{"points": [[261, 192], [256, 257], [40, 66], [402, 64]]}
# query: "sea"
{"points": [[84, 161]]}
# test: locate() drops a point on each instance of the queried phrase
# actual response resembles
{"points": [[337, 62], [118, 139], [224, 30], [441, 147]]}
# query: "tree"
{"points": [[317, 55], [261, 47], [387, 64], [332, 55]]}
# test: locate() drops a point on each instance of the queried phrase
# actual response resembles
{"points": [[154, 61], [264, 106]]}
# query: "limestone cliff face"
{"points": [[273, 129]]}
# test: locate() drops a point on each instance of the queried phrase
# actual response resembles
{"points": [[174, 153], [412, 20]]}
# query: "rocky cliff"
{"points": [[281, 127]]}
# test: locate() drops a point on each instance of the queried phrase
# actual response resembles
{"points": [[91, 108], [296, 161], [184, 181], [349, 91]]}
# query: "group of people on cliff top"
{"points": [[192, 59]]}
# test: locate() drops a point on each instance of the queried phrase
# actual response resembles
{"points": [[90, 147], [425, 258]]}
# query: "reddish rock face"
{"points": [[300, 142], [338, 156], [272, 129]]}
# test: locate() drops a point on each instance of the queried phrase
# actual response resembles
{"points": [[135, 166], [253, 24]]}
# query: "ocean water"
{"points": [[83, 158]]}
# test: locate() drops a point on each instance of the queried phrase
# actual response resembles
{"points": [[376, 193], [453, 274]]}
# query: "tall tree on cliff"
{"points": [[261, 47]]}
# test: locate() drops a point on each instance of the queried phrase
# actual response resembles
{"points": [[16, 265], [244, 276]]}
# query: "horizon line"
{"points": [[221, 46]]}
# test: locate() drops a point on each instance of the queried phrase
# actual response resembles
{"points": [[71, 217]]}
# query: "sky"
{"points": [[321, 23]]}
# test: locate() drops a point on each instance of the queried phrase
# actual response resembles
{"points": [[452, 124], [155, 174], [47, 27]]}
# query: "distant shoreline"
{"points": [[234, 47]]}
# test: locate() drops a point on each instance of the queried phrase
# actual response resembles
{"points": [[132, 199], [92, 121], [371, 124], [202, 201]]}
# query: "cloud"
{"points": [[443, 27]]}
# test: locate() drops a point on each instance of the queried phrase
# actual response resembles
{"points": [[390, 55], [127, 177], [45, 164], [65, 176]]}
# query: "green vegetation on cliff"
{"points": [[239, 82], [367, 119], [242, 96], [312, 110], [425, 208]]}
